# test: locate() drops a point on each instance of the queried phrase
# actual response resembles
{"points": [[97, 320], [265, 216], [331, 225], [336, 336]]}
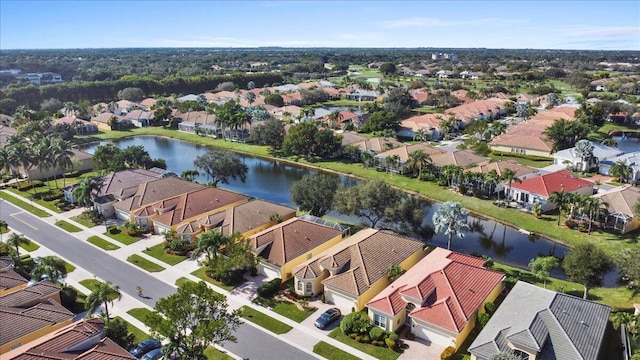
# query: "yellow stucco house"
{"points": [[438, 298], [286, 245], [353, 271]]}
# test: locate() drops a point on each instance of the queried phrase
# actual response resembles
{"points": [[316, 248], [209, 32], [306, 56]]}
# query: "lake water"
{"points": [[270, 180], [628, 144]]}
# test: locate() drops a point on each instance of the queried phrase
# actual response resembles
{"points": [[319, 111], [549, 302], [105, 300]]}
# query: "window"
{"points": [[380, 321], [299, 285], [308, 288]]}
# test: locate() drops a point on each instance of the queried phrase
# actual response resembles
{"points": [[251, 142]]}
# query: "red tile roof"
{"points": [[446, 287], [546, 184]]}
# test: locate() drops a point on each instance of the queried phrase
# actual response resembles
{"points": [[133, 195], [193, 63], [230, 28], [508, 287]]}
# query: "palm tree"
{"points": [[70, 107], [418, 159], [49, 266], [62, 157], [14, 240], [509, 176], [20, 156], [451, 218], [366, 157], [621, 170], [491, 179], [392, 162], [561, 200], [593, 207], [42, 158], [334, 118], [421, 135], [104, 294], [85, 189], [209, 244]]}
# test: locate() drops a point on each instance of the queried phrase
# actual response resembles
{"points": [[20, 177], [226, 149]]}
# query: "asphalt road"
{"points": [[252, 343]]}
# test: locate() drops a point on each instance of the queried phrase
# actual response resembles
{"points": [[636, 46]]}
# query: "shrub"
{"points": [[571, 223], [269, 289], [377, 343], [68, 297], [490, 307], [390, 343], [448, 353], [376, 333], [394, 337], [353, 335], [358, 338], [355, 322], [483, 319], [366, 339]]}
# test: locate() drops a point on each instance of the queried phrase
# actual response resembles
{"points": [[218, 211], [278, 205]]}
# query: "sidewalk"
{"points": [[303, 336]]}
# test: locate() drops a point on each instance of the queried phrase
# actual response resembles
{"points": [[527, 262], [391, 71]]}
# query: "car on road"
{"points": [[154, 354], [327, 318], [144, 347]]}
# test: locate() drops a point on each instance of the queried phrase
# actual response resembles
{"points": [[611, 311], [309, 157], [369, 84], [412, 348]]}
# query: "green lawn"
{"points": [[159, 253], [83, 221], [67, 226], [137, 333], [527, 161], [331, 352], [38, 190], [183, 280], [70, 268], [102, 243], [140, 314], [122, 237], [201, 273], [619, 298], [23, 205], [264, 321], [30, 246], [91, 284], [378, 352], [286, 308], [212, 353], [144, 263]]}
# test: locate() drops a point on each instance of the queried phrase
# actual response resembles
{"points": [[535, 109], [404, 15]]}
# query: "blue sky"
{"points": [[592, 25]]}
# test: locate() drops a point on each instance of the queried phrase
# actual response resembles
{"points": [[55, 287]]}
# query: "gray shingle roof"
{"points": [[559, 325]]}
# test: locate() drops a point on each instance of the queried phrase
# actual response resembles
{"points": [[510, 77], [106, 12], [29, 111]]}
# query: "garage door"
{"points": [[433, 336], [340, 301], [269, 272]]}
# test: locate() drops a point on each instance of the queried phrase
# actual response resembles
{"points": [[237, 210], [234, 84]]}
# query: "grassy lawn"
{"points": [[287, 309], [30, 246], [82, 220], [331, 352], [24, 205], [182, 280], [264, 321], [619, 298], [201, 273], [38, 190], [159, 253], [603, 132], [212, 353], [91, 284], [140, 314], [144, 263], [378, 352], [102, 243], [67, 226], [345, 102], [137, 333], [122, 237], [533, 162], [68, 267]]}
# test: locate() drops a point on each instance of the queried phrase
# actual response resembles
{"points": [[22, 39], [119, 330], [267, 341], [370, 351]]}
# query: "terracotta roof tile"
{"points": [[156, 190], [546, 184]]}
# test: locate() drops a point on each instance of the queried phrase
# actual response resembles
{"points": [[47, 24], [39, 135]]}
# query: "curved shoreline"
{"points": [[330, 171]]}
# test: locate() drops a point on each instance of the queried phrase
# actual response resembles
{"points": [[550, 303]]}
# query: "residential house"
{"points": [[81, 161], [284, 246], [286, 88], [117, 186], [80, 126], [444, 74], [537, 323], [620, 204], [361, 95], [465, 114], [353, 271], [538, 189], [172, 212], [438, 298], [200, 122], [147, 103], [569, 157], [630, 159], [617, 118], [294, 98], [520, 171], [29, 313], [463, 158], [102, 121], [10, 280], [426, 123], [245, 219], [188, 97], [400, 155], [139, 118], [82, 340], [152, 191], [286, 113]]}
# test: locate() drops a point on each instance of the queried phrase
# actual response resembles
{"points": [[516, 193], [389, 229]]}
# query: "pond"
{"points": [[270, 180], [628, 144]]}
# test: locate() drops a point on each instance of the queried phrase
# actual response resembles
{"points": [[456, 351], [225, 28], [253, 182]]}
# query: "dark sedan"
{"points": [[144, 347], [327, 318]]}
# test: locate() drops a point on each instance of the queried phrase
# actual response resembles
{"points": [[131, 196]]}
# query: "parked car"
{"points": [[144, 347], [327, 318], [154, 354]]}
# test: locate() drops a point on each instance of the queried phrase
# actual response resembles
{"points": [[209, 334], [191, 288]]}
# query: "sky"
{"points": [[589, 25]]}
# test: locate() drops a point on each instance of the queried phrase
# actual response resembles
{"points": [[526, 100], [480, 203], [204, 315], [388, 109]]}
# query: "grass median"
{"points": [[331, 352], [144, 263], [158, 252], [67, 226], [102, 243], [264, 320], [24, 205], [141, 314]]}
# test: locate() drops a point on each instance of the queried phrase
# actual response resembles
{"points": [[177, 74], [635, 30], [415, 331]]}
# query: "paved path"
{"points": [[93, 262]]}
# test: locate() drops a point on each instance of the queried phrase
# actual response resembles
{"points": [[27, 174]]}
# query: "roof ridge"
{"points": [[555, 320], [455, 296]]}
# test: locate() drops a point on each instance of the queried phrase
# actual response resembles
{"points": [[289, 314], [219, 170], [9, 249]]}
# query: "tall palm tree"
{"points": [[509, 176], [14, 240], [209, 244], [86, 189], [421, 135], [561, 200], [42, 158], [62, 157], [593, 207], [452, 219], [392, 162], [621, 170], [70, 107], [20, 155], [104, 294], [50, 266], [334, 118], [491, 179], [418, 159]]}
